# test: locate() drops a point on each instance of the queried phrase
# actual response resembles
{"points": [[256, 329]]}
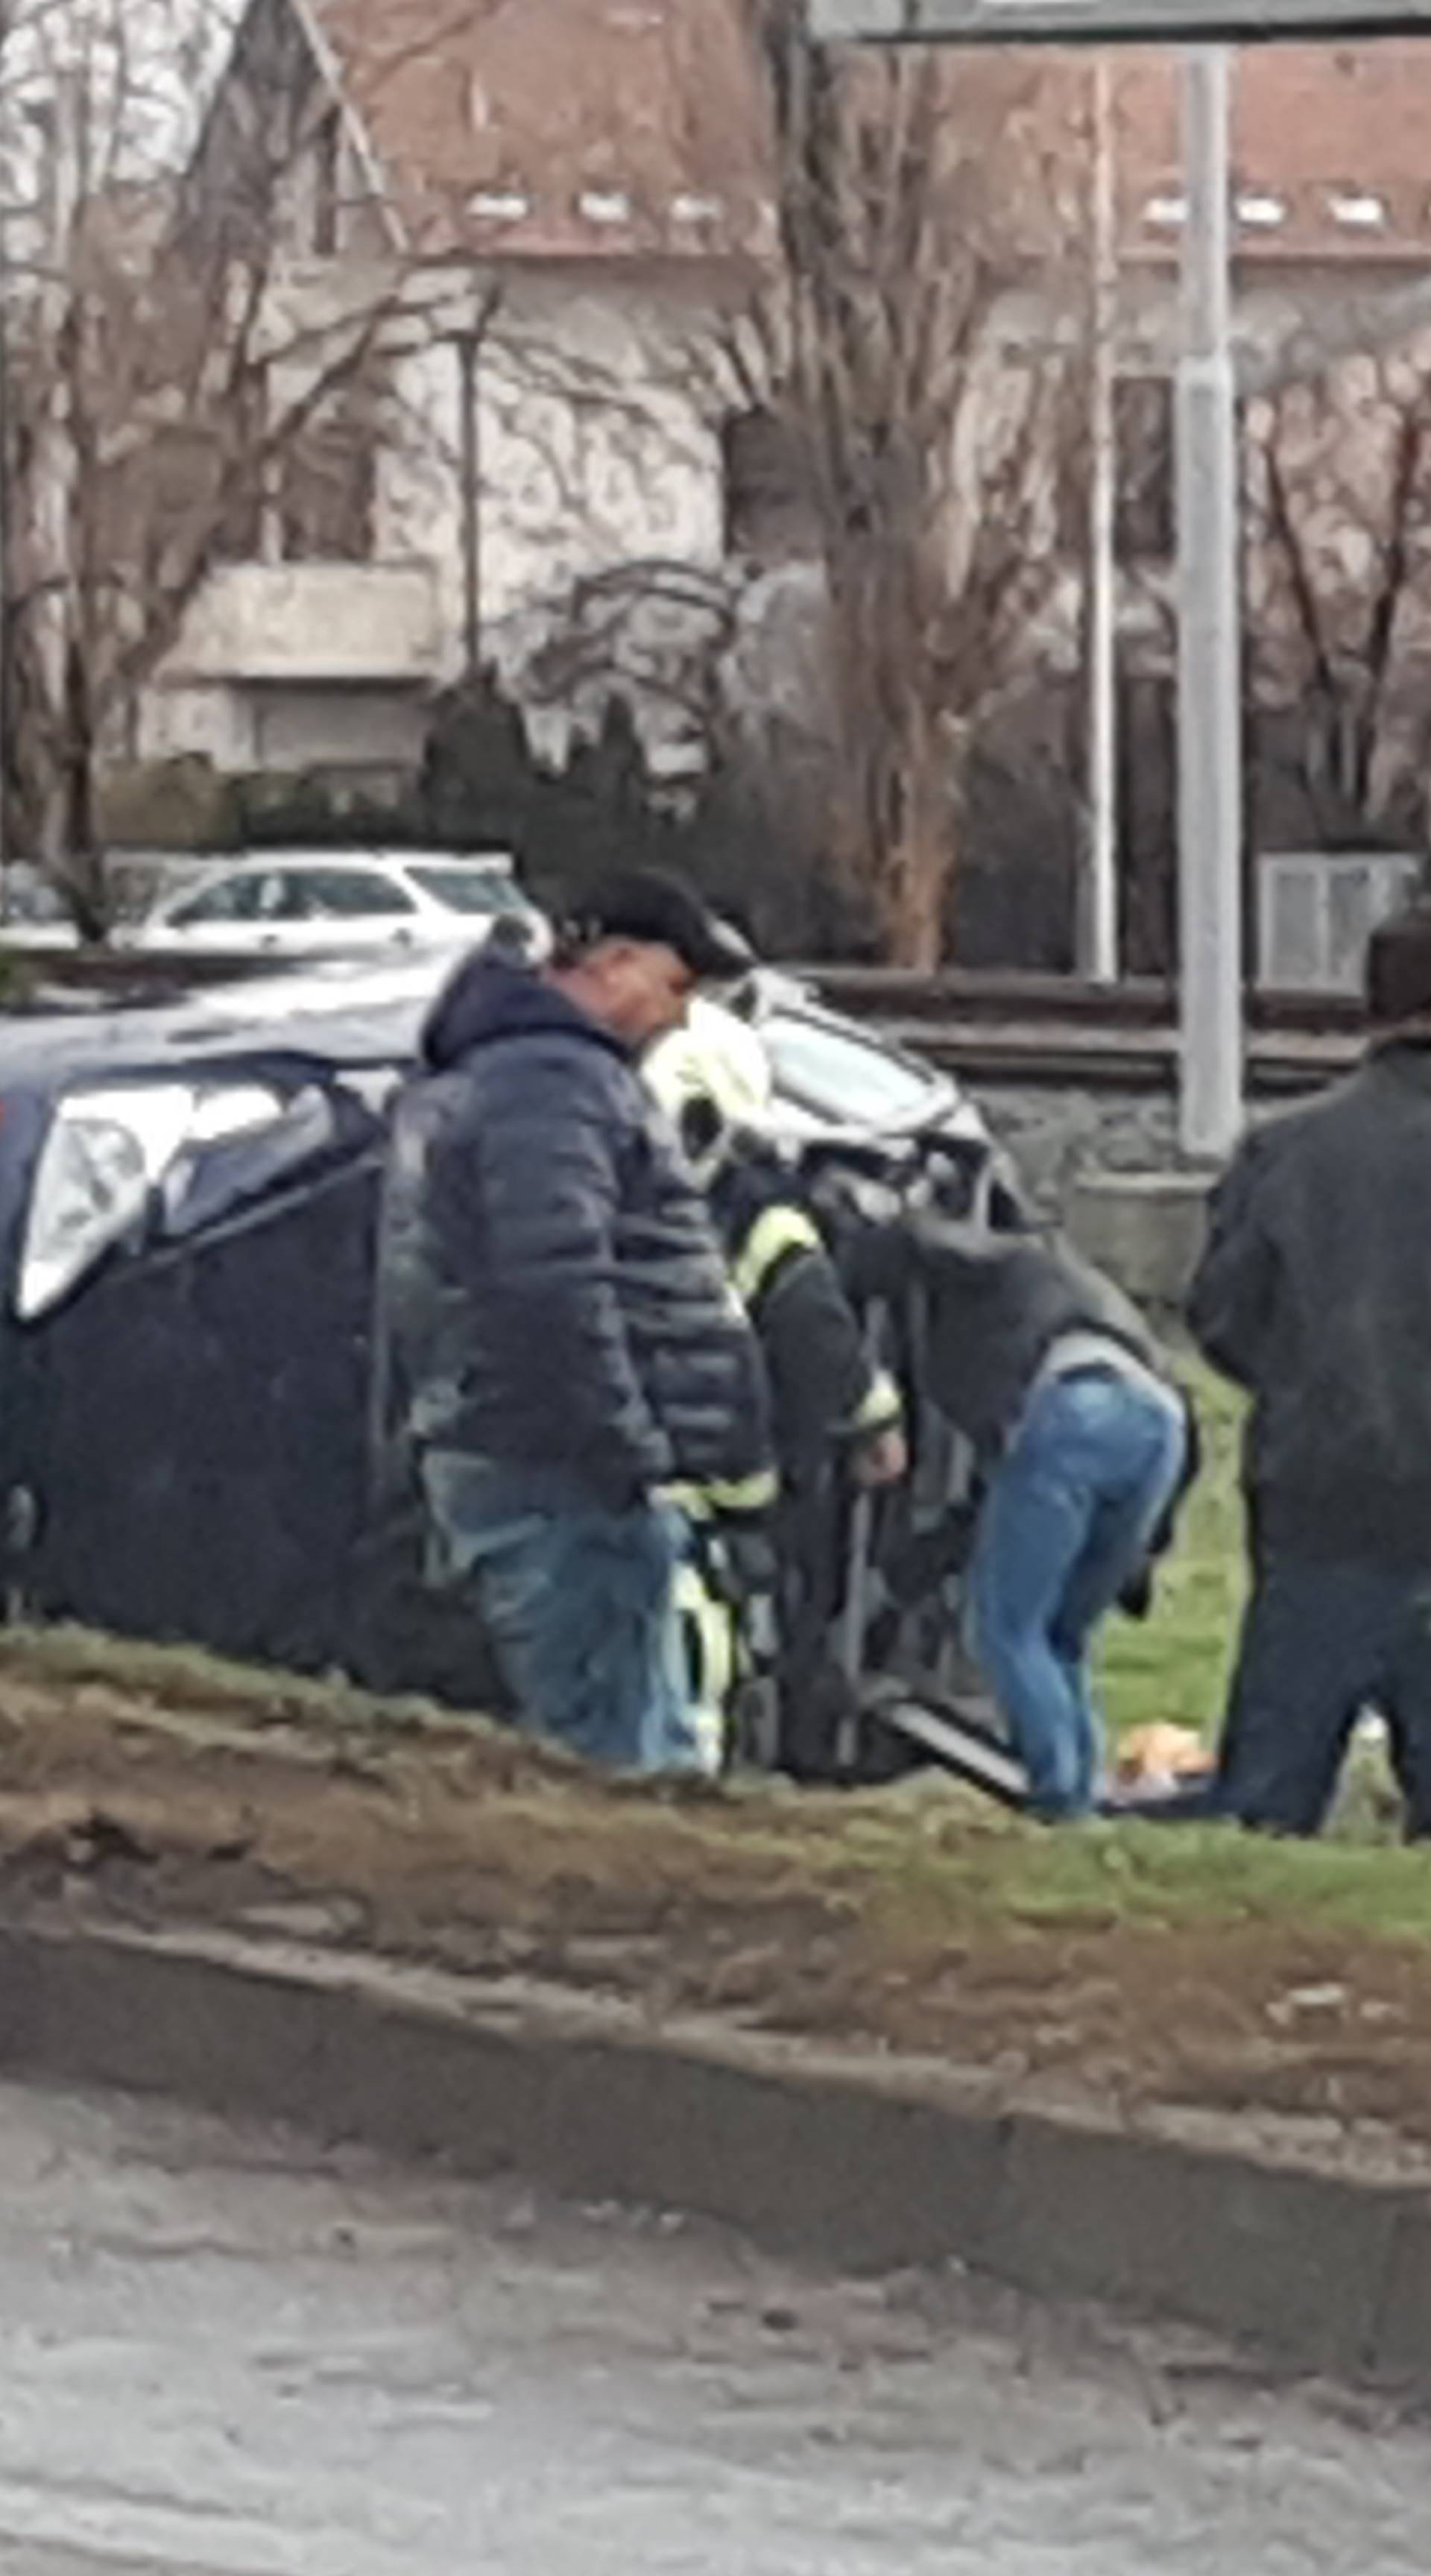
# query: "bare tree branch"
{"points": [[166, 359], [930, 459]]}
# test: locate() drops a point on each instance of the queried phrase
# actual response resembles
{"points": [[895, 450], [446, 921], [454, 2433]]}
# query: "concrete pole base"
{"points": [[1145, 1229]]}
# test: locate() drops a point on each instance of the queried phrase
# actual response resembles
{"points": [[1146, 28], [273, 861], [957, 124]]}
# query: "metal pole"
{"points": [[7, 212], [1100, 921], [471, 471], [4, 530], [1209, 678]]}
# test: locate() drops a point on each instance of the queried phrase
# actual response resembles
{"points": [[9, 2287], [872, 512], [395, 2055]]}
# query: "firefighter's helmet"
{"points": [[712, 1078]]}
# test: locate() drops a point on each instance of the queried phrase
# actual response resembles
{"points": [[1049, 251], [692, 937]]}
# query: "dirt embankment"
{"points": [[1193, 1972]]}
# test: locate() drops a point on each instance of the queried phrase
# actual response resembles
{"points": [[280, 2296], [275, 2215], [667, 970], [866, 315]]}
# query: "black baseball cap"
{"points": [[660, 912]]}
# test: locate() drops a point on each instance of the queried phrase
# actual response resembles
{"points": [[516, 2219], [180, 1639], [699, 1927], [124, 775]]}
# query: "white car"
{"points": [[325, 903]]}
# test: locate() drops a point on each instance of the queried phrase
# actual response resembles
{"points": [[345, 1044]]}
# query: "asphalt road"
{"points": [[221, 2352]]}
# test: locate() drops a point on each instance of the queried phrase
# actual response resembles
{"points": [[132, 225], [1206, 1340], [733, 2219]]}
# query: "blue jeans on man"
{"points": [[579, 1601], [1091, 1468], [1326, 1638]]}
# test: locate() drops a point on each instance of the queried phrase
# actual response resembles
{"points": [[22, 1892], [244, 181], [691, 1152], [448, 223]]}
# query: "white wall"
{"points": [[311, 621], [277, 726], [598, 417], [203, 720], [597, 441]]}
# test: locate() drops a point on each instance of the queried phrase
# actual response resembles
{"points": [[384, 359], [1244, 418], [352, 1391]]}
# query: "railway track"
{"points": [[1030, 1029], [1063, 1032]]}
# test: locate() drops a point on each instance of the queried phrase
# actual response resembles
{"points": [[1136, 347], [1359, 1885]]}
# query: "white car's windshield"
{"points": [[843, 1078], [473, 890]]}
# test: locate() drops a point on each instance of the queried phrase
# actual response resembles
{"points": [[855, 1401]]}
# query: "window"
{"points": [[769, 510], [471, 890], [175, 483], [1143, 428], [327, 172], [842, 1078], [327, 483], [1144, 502], [181, 480], [259, 894], [232, 899], [349, 894]]}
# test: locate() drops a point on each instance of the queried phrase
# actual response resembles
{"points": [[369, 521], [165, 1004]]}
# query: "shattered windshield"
{"points": [[844, 1078]]}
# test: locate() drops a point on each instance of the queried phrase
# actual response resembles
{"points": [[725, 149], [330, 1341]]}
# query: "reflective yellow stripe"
{"points": [[709, 1630], [780, 1230], [883, 1407], [756, 1493]]}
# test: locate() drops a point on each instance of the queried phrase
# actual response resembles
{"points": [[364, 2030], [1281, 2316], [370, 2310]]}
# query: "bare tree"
{"points": [[915, 201], [178, 376], [904, 339], [1338, 480]]}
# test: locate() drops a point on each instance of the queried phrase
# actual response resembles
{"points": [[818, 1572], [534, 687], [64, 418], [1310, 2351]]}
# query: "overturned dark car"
{"points": [[195, 1410]]}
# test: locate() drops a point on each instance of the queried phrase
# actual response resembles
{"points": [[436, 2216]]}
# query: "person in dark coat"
{"points": [[569, 1344], [1314, 1293], [1083, 1443]]}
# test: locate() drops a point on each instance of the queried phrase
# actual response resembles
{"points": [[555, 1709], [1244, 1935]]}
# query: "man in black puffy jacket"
{"points": [[1314, 1293], [567, 1339]]}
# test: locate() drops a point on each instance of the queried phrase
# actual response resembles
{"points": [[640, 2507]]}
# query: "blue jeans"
{"points": [[1066, 1522], [1324, 1638], [580, 1605]]}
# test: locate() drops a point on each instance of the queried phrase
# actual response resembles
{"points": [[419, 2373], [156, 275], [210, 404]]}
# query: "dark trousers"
{"points": [[1325, 1638]]}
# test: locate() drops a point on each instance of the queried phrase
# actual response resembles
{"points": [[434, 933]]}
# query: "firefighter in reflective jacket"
{"points": [[830, 1404]]}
